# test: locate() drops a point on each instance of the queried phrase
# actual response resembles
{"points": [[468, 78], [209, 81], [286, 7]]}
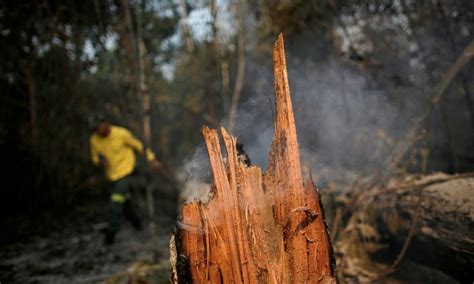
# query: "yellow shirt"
{"points": [[118, 149]]}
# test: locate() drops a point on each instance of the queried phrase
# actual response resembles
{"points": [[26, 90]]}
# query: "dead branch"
{"points": [[405, 144]]}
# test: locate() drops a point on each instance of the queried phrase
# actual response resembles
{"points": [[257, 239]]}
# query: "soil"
{"points": [[70, 249]]}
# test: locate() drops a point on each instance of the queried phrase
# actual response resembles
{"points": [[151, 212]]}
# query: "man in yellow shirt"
{"points": [[113, 148]]}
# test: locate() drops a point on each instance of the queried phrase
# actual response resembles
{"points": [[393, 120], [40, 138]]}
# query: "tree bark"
{"points": [[257, 228]]}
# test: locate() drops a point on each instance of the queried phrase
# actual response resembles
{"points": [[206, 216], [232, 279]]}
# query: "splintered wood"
{"points": [[258, 228]]}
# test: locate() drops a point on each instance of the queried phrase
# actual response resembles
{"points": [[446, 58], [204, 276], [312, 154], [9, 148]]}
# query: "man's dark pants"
{"points": [[121, 206]]}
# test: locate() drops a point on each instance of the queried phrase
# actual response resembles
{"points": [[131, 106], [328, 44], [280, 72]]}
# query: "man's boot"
{"points": [[130, 214]]}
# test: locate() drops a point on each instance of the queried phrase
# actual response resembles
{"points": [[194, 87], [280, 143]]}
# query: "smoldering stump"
{"points": [[258, 228]]}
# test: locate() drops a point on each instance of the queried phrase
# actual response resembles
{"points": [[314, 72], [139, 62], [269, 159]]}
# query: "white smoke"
{"points": [[341, 121]]}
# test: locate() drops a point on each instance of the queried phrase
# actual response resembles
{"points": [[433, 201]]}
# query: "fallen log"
{"points": [[256, 228], [433, 218], [426, 219]]}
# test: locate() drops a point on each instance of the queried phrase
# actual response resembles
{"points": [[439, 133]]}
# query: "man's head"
{"points": [[99, 124]]}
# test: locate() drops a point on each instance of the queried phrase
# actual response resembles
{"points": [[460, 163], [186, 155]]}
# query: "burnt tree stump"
{"points": [[256, 228]]}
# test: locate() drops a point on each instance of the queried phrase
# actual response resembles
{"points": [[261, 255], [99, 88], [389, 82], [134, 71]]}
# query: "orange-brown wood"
{"points": [[259, 228]]}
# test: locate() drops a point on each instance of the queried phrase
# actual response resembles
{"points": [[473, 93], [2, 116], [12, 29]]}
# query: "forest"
{"points": [[356, 133]]}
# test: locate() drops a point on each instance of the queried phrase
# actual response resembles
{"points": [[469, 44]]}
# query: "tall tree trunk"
{"points": [[225, 84], [212, 65], [133, 100], [239, 82], [137, 56], [30, 81], [186, 31], [144, 95]]}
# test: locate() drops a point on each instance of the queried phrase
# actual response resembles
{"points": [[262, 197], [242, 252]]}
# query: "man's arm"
{"points": [[133, 142], [93, 180], [138, 146], [94, 153], [97, 158]]}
